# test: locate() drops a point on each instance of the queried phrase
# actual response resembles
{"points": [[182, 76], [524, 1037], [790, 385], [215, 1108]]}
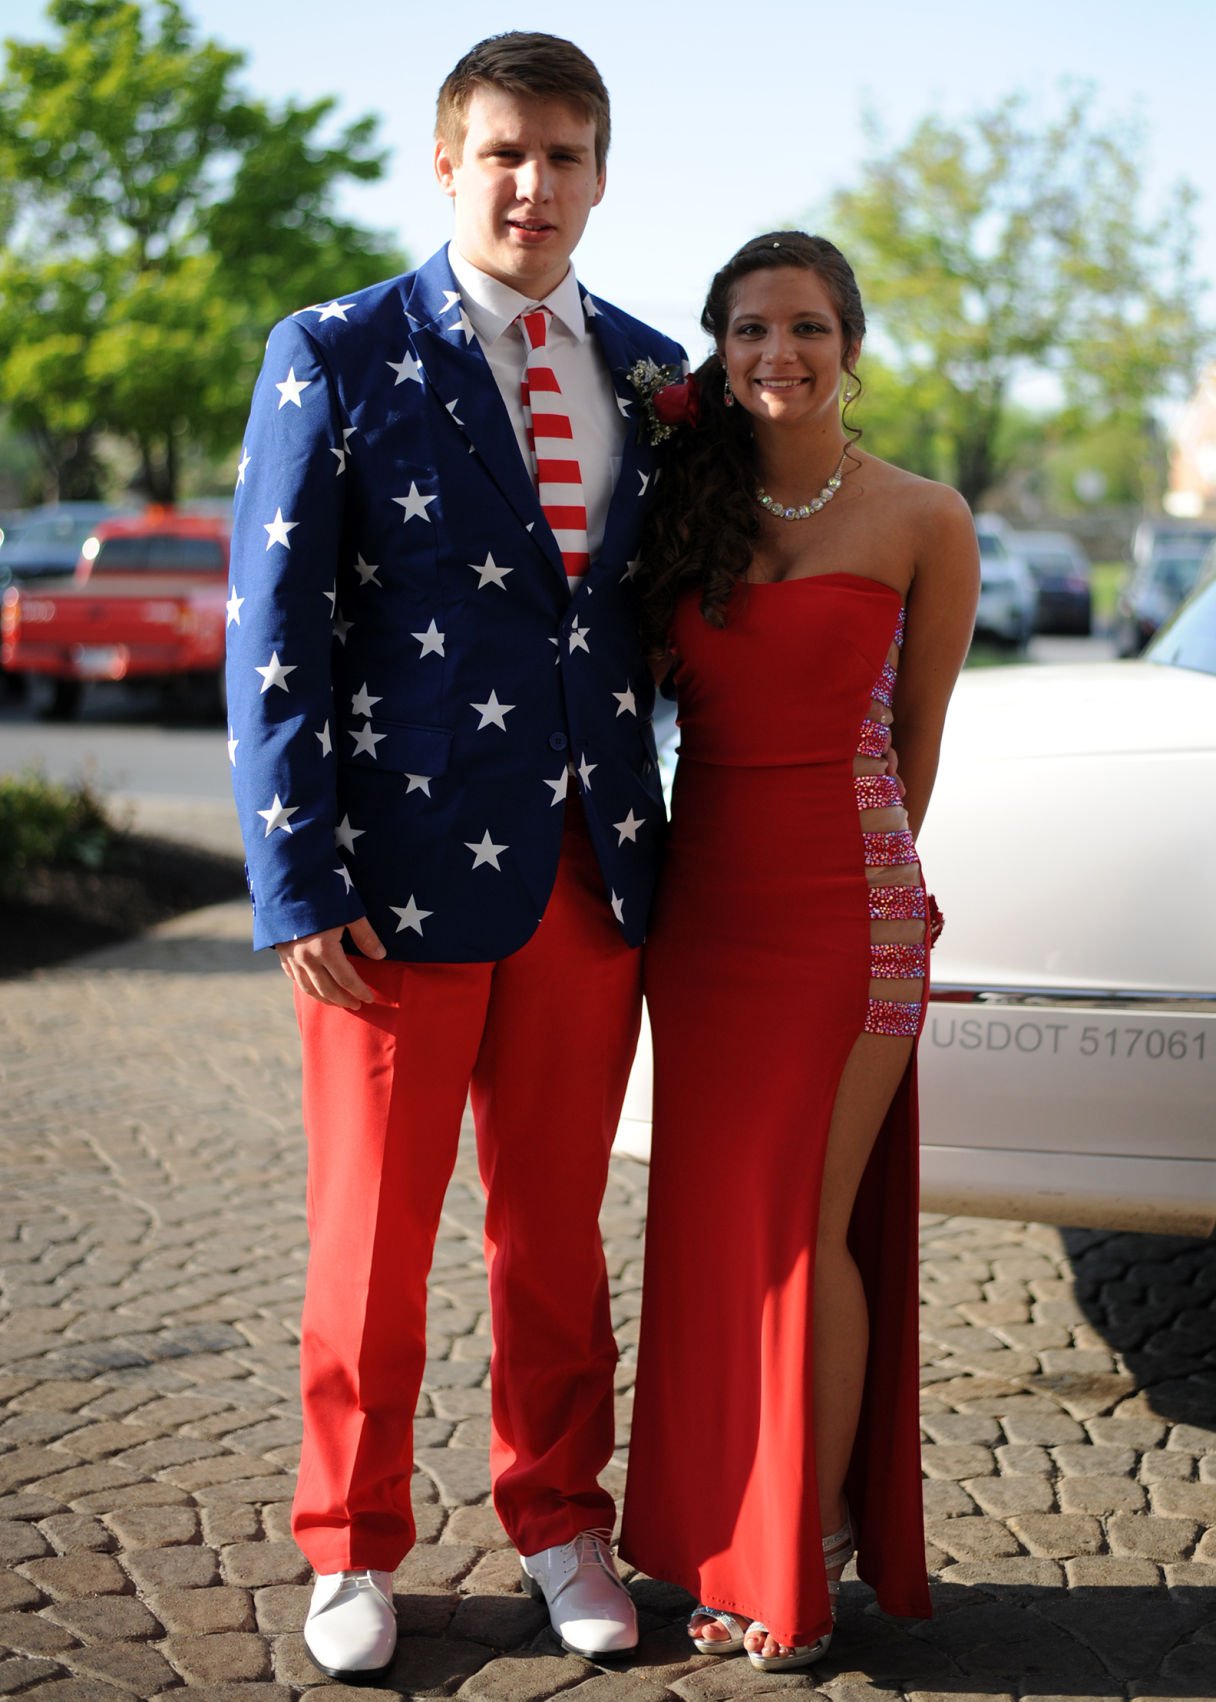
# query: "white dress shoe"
{"points": [[589, 1608], [351, 1629]]}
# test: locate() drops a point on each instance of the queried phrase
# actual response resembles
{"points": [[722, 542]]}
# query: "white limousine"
{"points": [[1068, 1062]]}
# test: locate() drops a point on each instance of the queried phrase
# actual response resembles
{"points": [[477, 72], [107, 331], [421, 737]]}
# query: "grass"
{"points": [[1108, 579], [43, 823]]}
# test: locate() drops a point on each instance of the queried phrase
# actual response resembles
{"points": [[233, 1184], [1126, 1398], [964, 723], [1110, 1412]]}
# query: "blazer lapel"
{"points": [[459, 375], [637, 457]]}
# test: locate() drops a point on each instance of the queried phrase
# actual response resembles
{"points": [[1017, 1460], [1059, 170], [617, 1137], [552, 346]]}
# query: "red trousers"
{"points": [[544, 1039]]}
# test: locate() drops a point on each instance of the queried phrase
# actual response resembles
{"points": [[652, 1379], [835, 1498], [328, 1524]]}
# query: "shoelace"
{"points": [[587, 1545]]}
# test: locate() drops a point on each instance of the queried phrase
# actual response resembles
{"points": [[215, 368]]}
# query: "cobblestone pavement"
{"points": [[152, 1239]]}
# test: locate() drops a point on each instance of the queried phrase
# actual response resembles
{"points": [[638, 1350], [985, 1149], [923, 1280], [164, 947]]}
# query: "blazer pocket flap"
{"points": [[397, 748]]}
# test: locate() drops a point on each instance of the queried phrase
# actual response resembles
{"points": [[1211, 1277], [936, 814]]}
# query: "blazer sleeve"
{"points": [[287, 534]]}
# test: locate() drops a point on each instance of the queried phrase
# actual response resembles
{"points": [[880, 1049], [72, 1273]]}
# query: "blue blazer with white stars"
{"points": [[409, 679]]}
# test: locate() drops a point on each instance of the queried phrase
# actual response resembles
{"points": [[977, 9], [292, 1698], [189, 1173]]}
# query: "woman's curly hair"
{"points": [[702, 526]]}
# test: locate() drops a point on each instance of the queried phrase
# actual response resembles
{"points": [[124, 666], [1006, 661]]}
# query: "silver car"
{"points": [[1009, 597]]}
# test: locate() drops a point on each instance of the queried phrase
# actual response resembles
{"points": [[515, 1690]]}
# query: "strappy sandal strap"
{"points": [[729, 1621]]}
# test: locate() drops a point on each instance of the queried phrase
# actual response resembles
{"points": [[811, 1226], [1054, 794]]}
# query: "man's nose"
{"points": [[533, 180]]}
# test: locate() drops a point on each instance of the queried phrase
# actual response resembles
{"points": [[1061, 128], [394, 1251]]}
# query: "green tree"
{"points": [[999, 248], [156, 219]]}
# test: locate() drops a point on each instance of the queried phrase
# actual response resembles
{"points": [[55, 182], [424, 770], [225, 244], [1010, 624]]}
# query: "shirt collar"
{"points": [[493, 307]]}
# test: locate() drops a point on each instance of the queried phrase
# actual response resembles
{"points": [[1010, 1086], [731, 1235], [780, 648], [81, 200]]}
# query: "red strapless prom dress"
{"points": [[791, 919]]}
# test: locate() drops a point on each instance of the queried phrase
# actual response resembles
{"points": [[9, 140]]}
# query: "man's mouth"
{"points": [[531, 227]]}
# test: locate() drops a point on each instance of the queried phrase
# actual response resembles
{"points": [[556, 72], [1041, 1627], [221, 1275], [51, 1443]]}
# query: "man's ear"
{"points": [[445, 165], [601, 183]]}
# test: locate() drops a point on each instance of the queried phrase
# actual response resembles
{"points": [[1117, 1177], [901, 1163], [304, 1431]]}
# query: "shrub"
{"points": [[43, 822]]}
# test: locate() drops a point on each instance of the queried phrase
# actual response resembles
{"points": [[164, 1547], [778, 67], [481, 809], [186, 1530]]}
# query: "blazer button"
{"points": [[558, 741]]}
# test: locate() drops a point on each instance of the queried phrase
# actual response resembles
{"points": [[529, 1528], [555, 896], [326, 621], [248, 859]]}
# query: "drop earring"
{"points": [[728, 395]]}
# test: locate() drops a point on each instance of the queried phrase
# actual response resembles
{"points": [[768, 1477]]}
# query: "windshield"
{"points": [[1176, 573], [159, 553], [1189, 640]]}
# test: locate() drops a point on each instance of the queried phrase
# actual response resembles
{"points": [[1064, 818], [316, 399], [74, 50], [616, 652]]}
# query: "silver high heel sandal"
{"points": [[738, 1629], [837, 1552]]}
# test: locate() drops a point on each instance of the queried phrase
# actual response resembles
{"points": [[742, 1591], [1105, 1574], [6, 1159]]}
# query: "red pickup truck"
{"points": [[146, 602]]}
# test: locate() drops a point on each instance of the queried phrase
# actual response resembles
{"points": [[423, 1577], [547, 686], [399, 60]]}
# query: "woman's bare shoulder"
{"points": [[916, 495]]}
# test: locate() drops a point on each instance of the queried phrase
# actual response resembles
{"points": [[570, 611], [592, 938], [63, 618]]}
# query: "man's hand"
{"points": [[320, 967]]}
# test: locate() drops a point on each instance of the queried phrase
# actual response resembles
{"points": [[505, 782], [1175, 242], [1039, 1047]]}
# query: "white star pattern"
{"points": [[450, 298], [628, 829], [365, 740], [324, 740], [490, 573], [578, 637], [291, 389], [342, 870], [278, 815], [645, 478], [341, 457], [624, 404], [232, 744], [332, 310], [451, 408], [367, 571], [277, 529], [332, 597], [241, 465], [589, 308], [465, 324], [409, 915], [585, 771], [361, 703], [232, 608], [408, 369], [345, 835], [415, 504], [631, 567], [431, 641], [560, 786], [625, 702], [486, 851], [618, 909], [492, 712], [275, 674], [419, 783], [341, 627]]}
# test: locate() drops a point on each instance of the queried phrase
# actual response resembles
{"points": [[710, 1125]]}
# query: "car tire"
{"points": [[66, 698]]}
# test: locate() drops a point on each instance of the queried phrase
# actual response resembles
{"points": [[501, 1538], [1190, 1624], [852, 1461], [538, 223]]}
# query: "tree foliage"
{"points": [[999, 248], [156, 219]]}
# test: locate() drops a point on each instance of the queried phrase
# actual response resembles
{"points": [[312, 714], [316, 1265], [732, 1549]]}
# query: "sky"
{"points": [[728, 118]]}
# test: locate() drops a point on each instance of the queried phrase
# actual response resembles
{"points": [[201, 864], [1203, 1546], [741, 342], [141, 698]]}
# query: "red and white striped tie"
{"points": [[559, 478]]}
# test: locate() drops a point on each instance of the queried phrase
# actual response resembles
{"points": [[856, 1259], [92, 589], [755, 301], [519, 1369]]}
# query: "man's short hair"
{"points": [[529, 63]]}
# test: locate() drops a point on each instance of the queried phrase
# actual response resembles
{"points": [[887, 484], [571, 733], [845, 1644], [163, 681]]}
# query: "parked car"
{"points": [[146, 601], [1060, 569], [49, 540], [1155, 590], [1163, 532], [1008, 596], [1068, 1063]]}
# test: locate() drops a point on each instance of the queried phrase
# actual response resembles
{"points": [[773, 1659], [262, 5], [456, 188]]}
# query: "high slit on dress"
{"points": [[791, 919]]}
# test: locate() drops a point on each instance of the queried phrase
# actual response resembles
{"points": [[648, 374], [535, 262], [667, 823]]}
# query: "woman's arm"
{"points": [[941, 614]]}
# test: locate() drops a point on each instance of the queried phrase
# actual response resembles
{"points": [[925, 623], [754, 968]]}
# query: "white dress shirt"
{"points": [[596, 421]]}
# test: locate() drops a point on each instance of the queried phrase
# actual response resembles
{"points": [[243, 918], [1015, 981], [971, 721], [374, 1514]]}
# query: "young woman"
{"points": [[806, 594]]}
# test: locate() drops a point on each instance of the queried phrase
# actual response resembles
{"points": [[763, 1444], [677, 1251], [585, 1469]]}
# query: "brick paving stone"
{"points": [[80, 1690], [1112, 1572], [281, 1607], [69, 1576], [1058, 1536], [956, 1460], [72, 1533], [961, 1427], [18, 1592], [1164, 1465], [259, 1563], [1155, 1538], [221, 1608], [521, 1678], [1017, 1571], [1192, 1439], [135, 1668], [1186, 1500], [501, 1621], [190, 1567], [105, 1619], [154, 1527], [477, 1525], [1002, 1496], [1017, 1459], [494, 1573], [226, 1655], [974, 1538], [1046, 1428], [22, 1672], [31, 1634], [20, 1542], [1101, 1494]]}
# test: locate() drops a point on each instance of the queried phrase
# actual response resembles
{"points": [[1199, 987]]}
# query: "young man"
{"points": [[444, 764]]}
